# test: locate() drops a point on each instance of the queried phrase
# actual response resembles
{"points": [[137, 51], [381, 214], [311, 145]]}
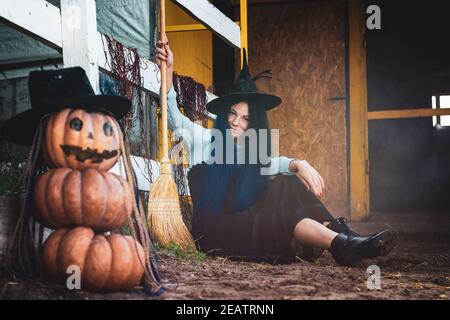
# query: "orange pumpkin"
{"points": [[96, 199], [78, 139], [106, 263]]}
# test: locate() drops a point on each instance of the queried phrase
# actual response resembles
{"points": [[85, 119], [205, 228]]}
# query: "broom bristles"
{"points": [[165, 219]]}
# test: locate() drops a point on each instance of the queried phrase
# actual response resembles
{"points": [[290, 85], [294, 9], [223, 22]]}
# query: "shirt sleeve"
{"points": [[182, 126], [278, 165]]}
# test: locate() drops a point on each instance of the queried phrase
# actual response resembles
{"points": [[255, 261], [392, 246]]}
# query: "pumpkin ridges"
{"points": [[121, 263], [73, 249], [106, 263], [98, 263], [81, 197], [40, 192], [47, 142], [129, 199], [72, 197], [107, 201], [138, 268], [92, 197], [107, 286], [53, 194], [61, 199], [60, 274], [113, 215], [49, 255], [125, 209], [127, 204], [64, 208]]}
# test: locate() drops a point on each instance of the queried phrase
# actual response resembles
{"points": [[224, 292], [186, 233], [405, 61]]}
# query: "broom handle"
{"points": [[165, 146]]}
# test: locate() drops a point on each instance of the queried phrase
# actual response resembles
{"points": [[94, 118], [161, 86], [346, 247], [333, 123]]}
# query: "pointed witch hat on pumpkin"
{"points": [[54, 90]]}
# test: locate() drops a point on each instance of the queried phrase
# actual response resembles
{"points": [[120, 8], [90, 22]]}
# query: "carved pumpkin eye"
{"points": [[107, 129], [76, 124]]}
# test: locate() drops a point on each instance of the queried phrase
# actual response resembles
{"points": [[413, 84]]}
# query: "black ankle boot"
{"points": [[339, 225], [349, 250]]}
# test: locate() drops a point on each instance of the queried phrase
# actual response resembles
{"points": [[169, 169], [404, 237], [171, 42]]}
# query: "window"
{"points": [[441, 102]]}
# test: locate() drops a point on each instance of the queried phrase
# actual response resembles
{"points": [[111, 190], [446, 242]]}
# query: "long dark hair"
{"points": [[229, 188]]}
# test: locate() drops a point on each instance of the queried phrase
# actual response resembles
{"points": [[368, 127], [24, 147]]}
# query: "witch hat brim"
{"points": [[21, 128], [257, 99]]}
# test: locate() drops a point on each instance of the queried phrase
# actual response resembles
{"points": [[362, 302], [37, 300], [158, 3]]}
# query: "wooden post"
{"points": [[244, 29], [359, 155], [80, 37]]}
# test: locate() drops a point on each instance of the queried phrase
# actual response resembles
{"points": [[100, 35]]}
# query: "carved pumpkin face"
{"points": [[79, 139]]}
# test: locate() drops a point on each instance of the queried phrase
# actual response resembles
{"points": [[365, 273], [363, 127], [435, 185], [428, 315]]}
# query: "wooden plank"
{"points": [[36, 18], [213, 19], [29, 64], [189, 27], [79, 36], [359, 175], [407, 113], [185, 27], [24, 72]]}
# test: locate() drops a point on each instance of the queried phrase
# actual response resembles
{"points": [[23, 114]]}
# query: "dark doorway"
{"points": [[407, 63]]}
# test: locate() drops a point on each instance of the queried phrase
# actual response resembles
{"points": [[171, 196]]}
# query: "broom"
{"points": [[164, 212]]}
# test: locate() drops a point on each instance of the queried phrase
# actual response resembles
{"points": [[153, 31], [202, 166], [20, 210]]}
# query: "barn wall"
{"points": [[304, 45]]}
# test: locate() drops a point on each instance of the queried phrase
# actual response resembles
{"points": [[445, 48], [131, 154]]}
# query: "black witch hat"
{"points": [[245, 90], [54, 90]]}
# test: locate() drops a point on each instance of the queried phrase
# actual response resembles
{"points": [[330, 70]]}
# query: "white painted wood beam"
{"points": [[37, 18], [208, 15], [80, 37]]}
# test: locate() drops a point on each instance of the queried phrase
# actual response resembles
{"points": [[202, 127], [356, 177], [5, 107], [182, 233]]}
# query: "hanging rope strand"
{"points": [[25, 253]]}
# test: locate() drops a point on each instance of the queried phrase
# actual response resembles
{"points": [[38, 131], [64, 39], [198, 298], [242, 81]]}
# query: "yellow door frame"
{"points": [[359, 153]]}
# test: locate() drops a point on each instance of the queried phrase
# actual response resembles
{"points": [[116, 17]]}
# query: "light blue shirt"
{"points": [[197, 139]]}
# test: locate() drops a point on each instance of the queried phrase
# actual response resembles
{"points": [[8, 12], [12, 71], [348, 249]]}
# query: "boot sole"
{"points": [[379, 244]]}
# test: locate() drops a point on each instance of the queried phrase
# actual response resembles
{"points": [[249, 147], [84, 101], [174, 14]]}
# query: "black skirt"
{"points": [[263, 232]]}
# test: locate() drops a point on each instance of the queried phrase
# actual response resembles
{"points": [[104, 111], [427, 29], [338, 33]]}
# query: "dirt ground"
{"points": [[418, 268]]}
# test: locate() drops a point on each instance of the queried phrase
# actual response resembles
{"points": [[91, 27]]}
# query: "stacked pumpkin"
{"points": [[80, 199]]}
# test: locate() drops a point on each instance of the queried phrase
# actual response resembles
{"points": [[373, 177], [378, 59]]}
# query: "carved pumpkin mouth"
{"points": [[88, 154]]}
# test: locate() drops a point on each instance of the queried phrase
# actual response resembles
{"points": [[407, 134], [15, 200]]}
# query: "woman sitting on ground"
{"points": [[258, 210]]}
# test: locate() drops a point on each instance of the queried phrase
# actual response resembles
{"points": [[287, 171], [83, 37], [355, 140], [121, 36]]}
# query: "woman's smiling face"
{"points": [[238, 119]]}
